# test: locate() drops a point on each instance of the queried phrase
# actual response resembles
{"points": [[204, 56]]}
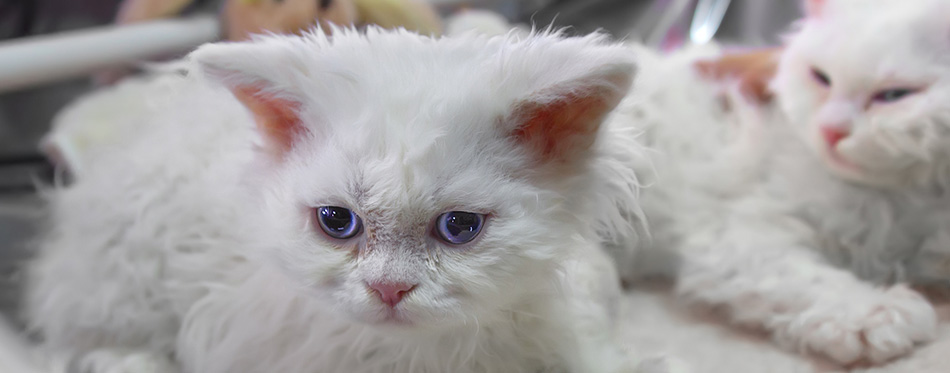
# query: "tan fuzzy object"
{"points": [[95, 121], [131, 11], [243, 18], [413, 15]]}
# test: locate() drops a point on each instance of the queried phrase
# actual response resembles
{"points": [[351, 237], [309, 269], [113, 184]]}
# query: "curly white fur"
{"points": [[771, 227], [184, 246]]}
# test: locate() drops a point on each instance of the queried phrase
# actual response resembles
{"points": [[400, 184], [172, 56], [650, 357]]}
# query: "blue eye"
{"points": [[892, 95], [338, 222], [458, 227]]}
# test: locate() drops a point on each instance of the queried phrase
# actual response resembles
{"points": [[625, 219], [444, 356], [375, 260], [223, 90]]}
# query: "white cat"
{"points": [[806, 221], [403, 204]]}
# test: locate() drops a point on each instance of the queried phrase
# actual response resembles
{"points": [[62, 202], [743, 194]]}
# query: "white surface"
{"points": [[655, 324], [42, 59]]}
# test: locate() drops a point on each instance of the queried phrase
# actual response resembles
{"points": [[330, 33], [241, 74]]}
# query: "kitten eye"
{"points": [[458, 227], [820, 77], [892, 95], [338, 222]]}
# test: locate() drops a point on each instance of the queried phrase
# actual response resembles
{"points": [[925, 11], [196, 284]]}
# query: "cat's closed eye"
{"points": [[892, 95], [338, 222], [458, 227], [821, 77]]}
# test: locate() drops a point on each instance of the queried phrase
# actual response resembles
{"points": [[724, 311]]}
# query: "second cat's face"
{"points": [[868, 86]]}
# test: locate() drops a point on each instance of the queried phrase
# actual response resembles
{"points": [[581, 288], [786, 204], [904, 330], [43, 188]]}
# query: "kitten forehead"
{"points": [[409, 78], [878, 42], [401, 110], [886, 23]]}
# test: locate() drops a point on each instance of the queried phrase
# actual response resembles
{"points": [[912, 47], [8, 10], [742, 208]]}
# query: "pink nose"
{"points": [[834, 135], [391, 292]]}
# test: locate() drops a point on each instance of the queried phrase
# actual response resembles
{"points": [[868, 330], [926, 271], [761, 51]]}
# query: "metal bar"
{"points": [[706, 20], [671, 12], [42, 59]]}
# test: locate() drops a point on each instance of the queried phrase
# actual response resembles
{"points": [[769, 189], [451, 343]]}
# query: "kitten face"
{"points": [[867, 84], [399, 199], [369, 156]]}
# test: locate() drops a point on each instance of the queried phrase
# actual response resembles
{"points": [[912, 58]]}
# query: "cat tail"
{"points": [[16, 354]]}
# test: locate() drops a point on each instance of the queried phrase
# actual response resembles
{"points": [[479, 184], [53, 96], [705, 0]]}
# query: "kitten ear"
{"points": [[560, 122], [813, 8], [261, 76]]}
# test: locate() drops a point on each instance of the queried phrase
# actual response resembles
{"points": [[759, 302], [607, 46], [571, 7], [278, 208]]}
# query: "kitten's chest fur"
{"points": [[315, 338], [882, 235]]}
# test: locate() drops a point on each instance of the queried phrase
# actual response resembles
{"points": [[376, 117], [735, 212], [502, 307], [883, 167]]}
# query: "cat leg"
{"points": [[593, 302], [805, 303]]}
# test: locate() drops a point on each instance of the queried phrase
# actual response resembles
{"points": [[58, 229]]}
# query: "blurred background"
{"points": [[50, 49]]}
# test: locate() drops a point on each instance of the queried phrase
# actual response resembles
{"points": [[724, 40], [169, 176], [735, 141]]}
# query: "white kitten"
{"points": [[793, 222], [403, 204]]}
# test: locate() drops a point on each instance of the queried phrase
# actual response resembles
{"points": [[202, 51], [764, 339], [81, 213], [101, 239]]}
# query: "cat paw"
{"points": [[120, 361], [876, 328]]}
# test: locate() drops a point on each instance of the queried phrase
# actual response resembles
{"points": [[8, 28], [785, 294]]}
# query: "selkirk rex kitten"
{"points": [[378, 202], [809, 221]]}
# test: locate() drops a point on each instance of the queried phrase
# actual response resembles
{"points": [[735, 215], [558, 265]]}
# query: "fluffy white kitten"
{"points": [[383, 202], [805, 221]]}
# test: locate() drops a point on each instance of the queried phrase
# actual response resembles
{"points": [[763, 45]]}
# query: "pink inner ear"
{"points": [[276, 117], [560, 129], [813, 8]]}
